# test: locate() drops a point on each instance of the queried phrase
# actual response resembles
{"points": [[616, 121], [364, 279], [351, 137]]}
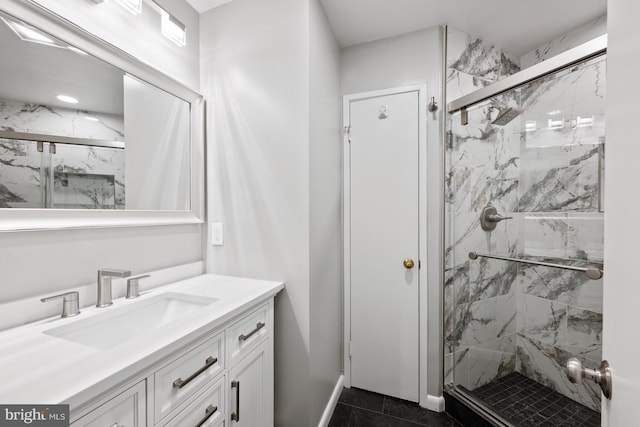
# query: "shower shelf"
{"points": [[592, 273]]}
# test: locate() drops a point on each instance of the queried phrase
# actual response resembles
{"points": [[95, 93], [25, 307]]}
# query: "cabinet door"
{"points": [[251, 390], [126, 409]]}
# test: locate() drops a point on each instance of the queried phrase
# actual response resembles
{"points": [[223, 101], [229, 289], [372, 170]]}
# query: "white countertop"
{"points": [[36, 368]]}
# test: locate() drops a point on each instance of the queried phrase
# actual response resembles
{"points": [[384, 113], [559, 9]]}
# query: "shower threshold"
{"points": [[524, 402]]}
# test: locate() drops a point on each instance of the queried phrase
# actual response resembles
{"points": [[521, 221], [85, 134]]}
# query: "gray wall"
{"points": [[274, 180], [325, 161], [37, 262]]}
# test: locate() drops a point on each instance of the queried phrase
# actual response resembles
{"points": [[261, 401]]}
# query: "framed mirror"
{"points": [[90, 136]]}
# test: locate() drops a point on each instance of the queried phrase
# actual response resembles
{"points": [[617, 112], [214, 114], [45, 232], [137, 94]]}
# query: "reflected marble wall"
{"points": [[43, 119], [502, 317]]}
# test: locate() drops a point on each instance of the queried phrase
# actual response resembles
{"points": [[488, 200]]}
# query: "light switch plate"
{"points": [[217, 234]]}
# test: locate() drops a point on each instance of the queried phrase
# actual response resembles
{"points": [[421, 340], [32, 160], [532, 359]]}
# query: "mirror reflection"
{"points": [[79, 133]]}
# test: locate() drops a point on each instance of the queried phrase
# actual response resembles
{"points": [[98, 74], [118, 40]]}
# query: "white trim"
{"points": [[331, 404], [434, 403], [422, 215], [51, 219]]}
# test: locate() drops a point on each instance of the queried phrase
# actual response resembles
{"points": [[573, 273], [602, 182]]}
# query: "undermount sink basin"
{"points": [[116, 326]]}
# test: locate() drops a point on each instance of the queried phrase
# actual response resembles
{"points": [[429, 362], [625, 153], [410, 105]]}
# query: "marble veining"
{"points": [[43, 119], [545, 364]]}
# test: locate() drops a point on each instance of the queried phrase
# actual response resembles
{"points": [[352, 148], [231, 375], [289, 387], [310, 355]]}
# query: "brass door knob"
{"points": [[408, 263]]}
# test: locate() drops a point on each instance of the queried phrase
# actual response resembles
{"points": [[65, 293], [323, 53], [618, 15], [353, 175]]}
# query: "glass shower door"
{"points": [[536, 154], [23, 175]]}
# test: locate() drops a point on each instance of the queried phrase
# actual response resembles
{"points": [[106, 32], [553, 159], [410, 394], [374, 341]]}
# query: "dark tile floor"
{"points": [[525, 402], [360, 408]]}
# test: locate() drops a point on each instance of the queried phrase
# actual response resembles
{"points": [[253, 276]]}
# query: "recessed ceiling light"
{"points": [[66, 98], [30, 34], [93, 119], [554, 112], [78, 51]]}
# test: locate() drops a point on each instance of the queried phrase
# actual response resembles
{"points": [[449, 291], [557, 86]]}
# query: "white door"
{"points": [[621, 333], [383, 229]]}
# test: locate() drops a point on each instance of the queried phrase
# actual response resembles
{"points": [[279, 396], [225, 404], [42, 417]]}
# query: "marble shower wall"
{"points": [[545, 169], [43, 119], [482, 169], [84, 177]]}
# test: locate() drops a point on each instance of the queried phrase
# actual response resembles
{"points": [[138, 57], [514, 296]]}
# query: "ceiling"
{"points": [[518, 26]]}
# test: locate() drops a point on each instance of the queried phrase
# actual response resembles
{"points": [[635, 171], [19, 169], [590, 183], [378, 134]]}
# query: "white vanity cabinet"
{"points": [[127, 408], [225, 378], [250, 377]]}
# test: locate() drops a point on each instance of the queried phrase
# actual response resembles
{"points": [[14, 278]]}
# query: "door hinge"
{"points": [[349, 348], [419, 264], [347, 131]]}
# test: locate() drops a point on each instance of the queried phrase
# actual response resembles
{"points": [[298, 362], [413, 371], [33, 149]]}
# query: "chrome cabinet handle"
{"points": [[235, 416], [207, 414], [179, 383], [259, 326]]}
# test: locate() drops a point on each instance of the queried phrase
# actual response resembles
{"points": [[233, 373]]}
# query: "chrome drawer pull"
{"points": [[259, 326], [235, 416], [179, 383], [207, 414]]}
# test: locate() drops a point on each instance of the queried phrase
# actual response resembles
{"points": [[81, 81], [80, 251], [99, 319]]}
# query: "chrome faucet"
{"points": [[104, 284]]}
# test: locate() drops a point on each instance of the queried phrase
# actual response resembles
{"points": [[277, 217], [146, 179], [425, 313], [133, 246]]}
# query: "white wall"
{"points": [[621, 228], [325, 160], [399, 61], [34, 263], [139, 35], [256, 80]]}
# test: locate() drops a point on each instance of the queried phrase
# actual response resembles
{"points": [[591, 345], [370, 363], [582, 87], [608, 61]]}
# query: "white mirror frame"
{"points": [[52, 219]]}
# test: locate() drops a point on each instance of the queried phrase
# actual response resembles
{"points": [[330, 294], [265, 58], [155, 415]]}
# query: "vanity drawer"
{"points": [[247, 333], [183, 377], [126, 409], [206, 410]]}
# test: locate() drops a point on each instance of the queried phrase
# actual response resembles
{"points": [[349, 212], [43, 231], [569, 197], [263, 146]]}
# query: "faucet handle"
{"points": [[133, 288], [70, 303]]}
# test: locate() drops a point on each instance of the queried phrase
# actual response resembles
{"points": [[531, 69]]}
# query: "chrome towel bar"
{"points": [[591, 272]]}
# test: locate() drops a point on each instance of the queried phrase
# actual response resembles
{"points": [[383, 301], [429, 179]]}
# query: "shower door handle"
{"points": [[602, 376]]}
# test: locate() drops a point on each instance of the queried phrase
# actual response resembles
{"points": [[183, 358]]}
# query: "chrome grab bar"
{"points": [[592, 273], [179, 383], [259, 326]]}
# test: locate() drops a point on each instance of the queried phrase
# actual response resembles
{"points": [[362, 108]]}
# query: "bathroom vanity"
{"points": [[198, 352]]}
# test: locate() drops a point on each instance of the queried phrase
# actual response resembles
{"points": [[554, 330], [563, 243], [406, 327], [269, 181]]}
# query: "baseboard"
{"points": [[331, 404], [435, 403]]}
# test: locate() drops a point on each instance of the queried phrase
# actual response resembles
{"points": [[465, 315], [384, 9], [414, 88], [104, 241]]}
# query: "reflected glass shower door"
{"points": [[36, 175], [511, 327], [23, 174]]}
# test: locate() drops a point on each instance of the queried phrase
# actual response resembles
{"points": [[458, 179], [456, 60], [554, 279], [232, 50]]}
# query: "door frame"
{"points": [[421, 89]]}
